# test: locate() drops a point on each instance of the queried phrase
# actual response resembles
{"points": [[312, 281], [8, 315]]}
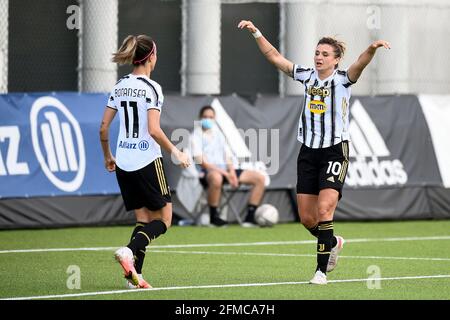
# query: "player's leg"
{"points": [[215, 181], [159, 222], [124, 255], [309, 217], [332, 176], [308, 173], [257, 181], [327, 202], [155, 196], [146, 191], [308, 189], [143, 217], [142, 221], [307, 212], [131, 257]]}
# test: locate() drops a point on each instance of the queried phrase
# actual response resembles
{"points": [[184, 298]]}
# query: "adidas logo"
{"points": [[369, 156], [331, 179]]}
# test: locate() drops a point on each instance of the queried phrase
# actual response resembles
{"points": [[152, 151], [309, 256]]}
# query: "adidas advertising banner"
{"points": [[390, 144], [394, 169], [52, 172]]}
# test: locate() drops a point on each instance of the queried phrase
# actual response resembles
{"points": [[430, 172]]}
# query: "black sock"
{"points": [[324, 242], [148, 233], [315, 232], [251, 213], [140, 254], [333, 242], [213, 213], [137, 228], [139, 260]]}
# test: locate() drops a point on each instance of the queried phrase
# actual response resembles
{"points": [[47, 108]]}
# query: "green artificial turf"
{"points": [[250, 263]]}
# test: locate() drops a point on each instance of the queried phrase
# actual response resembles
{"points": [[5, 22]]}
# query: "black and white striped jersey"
{"points": [[325, 114], [132, 97]]}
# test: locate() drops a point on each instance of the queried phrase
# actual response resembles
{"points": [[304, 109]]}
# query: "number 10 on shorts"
{"points": [[334, 168]]}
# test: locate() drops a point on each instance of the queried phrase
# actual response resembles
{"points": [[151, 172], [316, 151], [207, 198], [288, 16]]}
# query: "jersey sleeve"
{"points": [[154, 99], [344, 79], [301, 73], [111, 103]]}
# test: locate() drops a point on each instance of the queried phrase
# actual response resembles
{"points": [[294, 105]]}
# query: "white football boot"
{"points": [[319, 278], [125, 257], [142, 283], [334, 253]]}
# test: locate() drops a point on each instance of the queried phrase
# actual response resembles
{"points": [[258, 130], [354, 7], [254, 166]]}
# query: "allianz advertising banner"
{"points": [[49, 145]]}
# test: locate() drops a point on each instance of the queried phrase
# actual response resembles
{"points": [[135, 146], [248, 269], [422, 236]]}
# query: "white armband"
{"points": [[257, 34]]}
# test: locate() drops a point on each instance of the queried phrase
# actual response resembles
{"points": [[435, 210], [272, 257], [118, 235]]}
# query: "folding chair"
{"points": [[226, 203], [229, 193], [195, 202], [193, 195]]}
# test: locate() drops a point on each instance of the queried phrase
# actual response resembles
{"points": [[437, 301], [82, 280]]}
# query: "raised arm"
{"points": [[355, 70], [267, 49]]}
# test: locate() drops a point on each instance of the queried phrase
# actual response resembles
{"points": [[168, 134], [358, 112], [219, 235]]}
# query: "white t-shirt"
{"points": [[211, 145], [325, 116], [132, 97]]}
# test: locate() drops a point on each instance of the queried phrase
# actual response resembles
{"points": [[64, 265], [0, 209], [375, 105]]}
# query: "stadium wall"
{"points": [[52, 174], [47, 59]]}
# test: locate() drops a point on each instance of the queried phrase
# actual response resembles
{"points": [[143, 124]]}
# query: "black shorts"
{"points": [[204, 181], [146, 187], [319, 169]]}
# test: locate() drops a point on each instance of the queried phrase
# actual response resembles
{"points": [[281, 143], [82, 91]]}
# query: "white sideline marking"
{"points": [[59, 250], [72, 295], [239, 244], [296, 255]]}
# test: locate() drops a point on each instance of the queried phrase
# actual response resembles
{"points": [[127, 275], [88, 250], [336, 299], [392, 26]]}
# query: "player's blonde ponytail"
{"points": [[135, 50], [126, 52]]}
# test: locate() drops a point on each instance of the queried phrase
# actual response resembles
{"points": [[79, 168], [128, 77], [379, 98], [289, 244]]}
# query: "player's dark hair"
{"points": [[202, 111], [338, 46], [135, 50]]}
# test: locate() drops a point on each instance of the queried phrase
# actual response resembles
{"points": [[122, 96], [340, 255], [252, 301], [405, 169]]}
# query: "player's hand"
{"points": [[183, 159], [110, 164], [381, 43], [232, 179], [247, 24]]}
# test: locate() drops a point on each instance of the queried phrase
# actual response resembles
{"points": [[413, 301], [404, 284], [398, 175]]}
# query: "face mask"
{"points": [[207, 123]]}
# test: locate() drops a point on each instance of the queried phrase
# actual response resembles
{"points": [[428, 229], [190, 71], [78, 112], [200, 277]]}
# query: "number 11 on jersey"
{"points": [[135, 120]]}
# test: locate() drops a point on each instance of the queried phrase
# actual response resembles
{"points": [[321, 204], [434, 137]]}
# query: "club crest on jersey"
{"points": [[317, 107]]}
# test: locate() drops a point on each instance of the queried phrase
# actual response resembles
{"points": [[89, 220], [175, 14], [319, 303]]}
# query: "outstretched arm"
{"points": [[267, 49], [355, 70]]}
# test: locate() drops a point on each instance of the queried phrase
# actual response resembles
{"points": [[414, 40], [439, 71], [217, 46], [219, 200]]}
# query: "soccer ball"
{"points": [[266, 215]]}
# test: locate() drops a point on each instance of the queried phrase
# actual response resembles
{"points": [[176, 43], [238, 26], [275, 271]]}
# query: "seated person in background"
{"points": [[210, 150]]}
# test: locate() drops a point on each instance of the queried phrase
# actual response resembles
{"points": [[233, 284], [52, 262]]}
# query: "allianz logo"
{"points": [[371, 163], [62, 148], [57, 143]]}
